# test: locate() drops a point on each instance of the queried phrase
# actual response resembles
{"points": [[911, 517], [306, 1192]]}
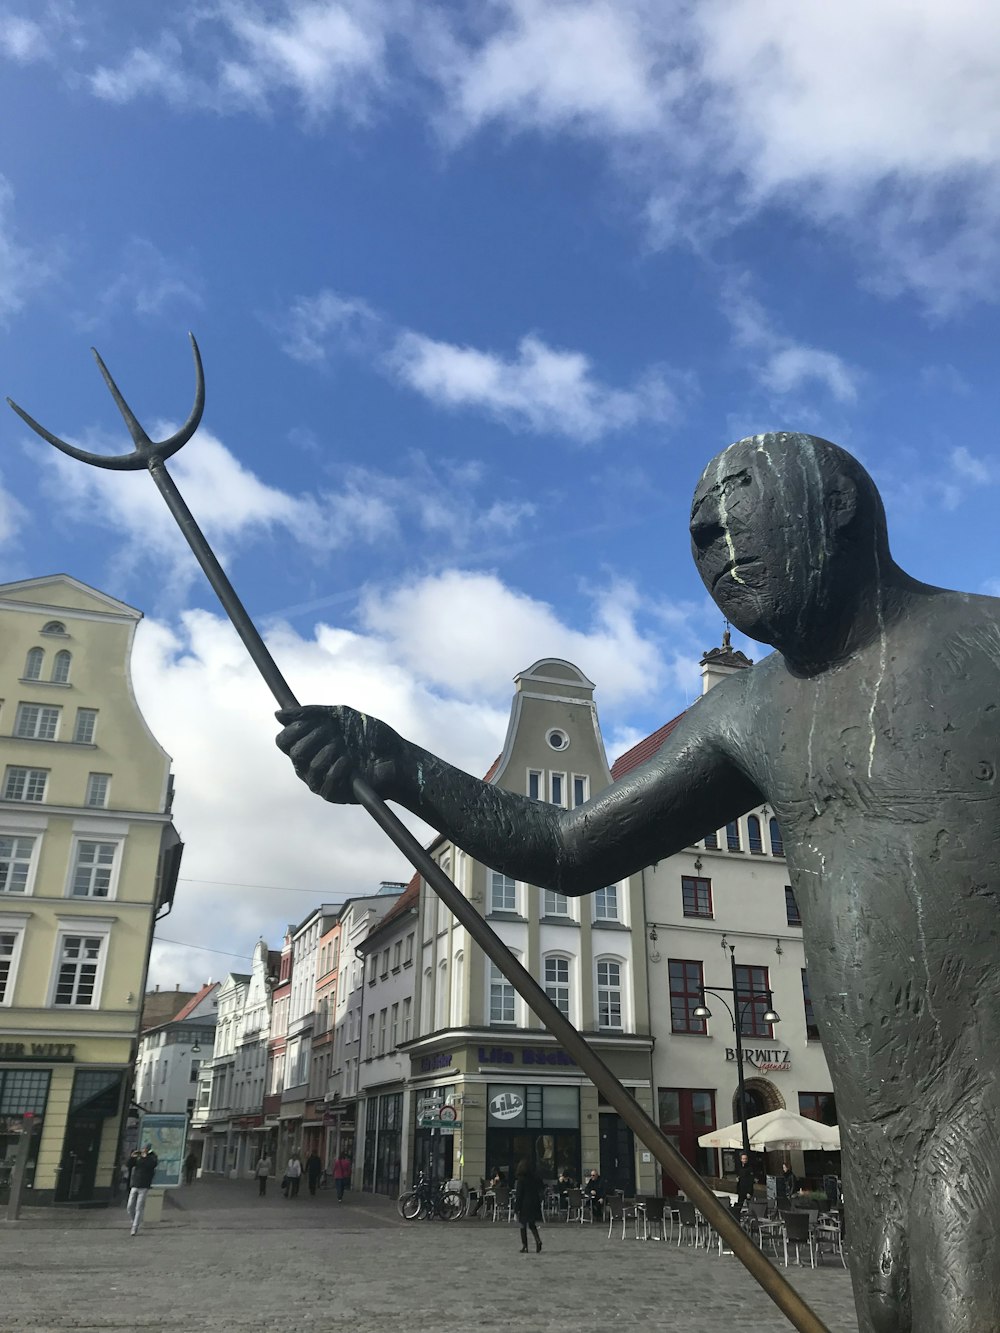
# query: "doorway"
{"points": [[617, 1154]]}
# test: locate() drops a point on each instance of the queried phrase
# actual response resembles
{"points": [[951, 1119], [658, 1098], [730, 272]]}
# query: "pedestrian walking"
{"points": [[262, 1170], [314, 1169], [341, 1174], [744, 1183], [143, 1170], [528, 1203], [190, 1167], [293, 1176]]}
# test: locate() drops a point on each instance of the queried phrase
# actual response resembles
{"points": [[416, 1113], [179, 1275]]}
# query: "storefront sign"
{"points": [[63, 1052], [429, 1062], [507, 1105], [545, 1055], [763, 1060]]}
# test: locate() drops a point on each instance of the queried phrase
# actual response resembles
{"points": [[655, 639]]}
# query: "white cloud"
{"points": [[147, 284], [969, 468], [22, 40], [783, 365], [13, 515], [22, 269], [315, 323], [150, 70]]}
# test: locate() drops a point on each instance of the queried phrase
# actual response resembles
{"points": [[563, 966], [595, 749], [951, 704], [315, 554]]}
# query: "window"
{"points": [[609, 994], [23, 1090], [98, 786], [409, 948], [557, 787], [442, 996], [581, 789], [754, 839], [397, 954], [25, 784], [557, 739], [696, 896], [777, 841], [503, 893], [54, 627], [86, 725], [557, 983], [821, 1106], [752, 1000], [10, 941], [60, 667], [16, 855], [79, 963], [733, 836], [93, 869], [535, 784], [33, 664], [406, 1019], [384, 969], [812, 1031], [382, 1024], [555, 904], [36, 722], [791, 907], [606, 904], [394, 1026], [193, 1076], [712, 842], [501, 997], [686, 980], [370, 1044]]}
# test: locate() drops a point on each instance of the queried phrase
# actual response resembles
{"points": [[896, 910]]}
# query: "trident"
{"points": [[151, 455]]}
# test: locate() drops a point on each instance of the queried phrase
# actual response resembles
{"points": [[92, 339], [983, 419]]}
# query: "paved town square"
{"points": [[225, 1260]]}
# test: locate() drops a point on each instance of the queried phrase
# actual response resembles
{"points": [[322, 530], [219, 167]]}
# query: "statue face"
{"points": [[760, 540]]}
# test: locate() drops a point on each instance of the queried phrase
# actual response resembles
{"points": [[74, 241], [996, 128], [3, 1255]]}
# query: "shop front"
{"points": [[478, 1106], [383, 1143]]}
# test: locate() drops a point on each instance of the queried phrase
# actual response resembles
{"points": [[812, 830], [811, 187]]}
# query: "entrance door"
{"points": [[617, 1154], [81, 1147], [684, 1114]]}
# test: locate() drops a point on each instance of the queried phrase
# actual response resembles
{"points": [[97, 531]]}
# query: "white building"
{"points": [[729, 890], [215, 1109], [170, 1056]]}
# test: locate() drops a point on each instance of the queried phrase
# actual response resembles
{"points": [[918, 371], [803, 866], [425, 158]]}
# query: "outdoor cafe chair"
{"points": [[501, 1203], [797, 1232], [828, 1238], [650, 1216], [577, 1207], [619, 1210], [688, 1223]]}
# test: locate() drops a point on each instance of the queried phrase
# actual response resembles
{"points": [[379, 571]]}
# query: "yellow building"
{"points": [[88, 859]]}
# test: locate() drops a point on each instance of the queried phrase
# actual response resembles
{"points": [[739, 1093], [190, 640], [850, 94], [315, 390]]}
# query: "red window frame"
{"points": [[752, 988], [696, 896], [686, 978]]}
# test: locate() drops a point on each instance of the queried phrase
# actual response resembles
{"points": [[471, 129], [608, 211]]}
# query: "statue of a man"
{"points": [[874, 734]]}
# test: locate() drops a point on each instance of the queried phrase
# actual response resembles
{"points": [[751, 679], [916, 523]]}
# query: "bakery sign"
{"points": [[764, 1060]]}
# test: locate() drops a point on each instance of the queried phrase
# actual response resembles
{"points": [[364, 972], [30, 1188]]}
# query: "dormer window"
{"points": [[54, 627]]}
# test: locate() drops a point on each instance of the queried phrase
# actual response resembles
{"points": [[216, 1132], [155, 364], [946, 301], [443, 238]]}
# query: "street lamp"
{"points": [[736, 1014]]}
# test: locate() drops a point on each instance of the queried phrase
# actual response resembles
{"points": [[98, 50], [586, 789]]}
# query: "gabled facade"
{"points": [[476, 1049], [170, 1056], [88, 860], [217, 1083]]}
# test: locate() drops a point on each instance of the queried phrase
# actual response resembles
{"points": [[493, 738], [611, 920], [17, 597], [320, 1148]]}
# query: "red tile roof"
{"points": [[492, 768], [406, 899], [195, 1000], [644, 750]]}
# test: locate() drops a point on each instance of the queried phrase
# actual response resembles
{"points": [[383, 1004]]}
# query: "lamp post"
{"points": [[736, 1014]]}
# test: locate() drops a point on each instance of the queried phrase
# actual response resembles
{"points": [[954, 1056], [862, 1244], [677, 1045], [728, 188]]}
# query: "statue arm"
{"points": [[691, 787]]}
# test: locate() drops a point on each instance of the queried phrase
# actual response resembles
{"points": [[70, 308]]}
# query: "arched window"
{"points": [[712, 842], [609, 994], [556, 978], [33, 664], [54, 627], [457, 987], [502, 1002], [443, 996], [426, 1001], [60, 667], [733, 836], [777, 841], [753, 834]]}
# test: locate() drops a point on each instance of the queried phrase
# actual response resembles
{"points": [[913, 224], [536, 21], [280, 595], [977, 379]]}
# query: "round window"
{"points": [[557, 739]]}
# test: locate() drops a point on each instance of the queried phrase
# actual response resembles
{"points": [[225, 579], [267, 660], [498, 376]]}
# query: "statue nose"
{"points": [[705, 526]]}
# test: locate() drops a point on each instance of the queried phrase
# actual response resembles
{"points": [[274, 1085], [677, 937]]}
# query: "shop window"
{"points": [[696, 896], [23, 1090], [686, 981]]}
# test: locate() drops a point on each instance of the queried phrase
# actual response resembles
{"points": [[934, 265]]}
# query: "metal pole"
{"points": [[20, 1166], [737, 1024]]}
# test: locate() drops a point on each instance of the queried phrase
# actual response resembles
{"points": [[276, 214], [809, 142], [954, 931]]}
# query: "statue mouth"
{"points": [[730, 568]]}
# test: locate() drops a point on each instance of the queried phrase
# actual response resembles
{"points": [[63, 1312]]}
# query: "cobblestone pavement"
{"points": [[223, 1260]]}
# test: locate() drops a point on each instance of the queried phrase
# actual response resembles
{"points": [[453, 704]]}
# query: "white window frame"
{"points": [[89, 791], [11, 924], [497, 982], [50, 714], [555, 904], [612, 961], [602, 916], [63, 660], [535, 784], [556, 984], [90, 830], [557, 788], [92, 714], [18, 830], [507, 886], [30, 777], [580, 783], [33, 663], [85, 927]]}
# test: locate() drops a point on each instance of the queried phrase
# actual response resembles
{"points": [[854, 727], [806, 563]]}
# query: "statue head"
{"points": [[788, 533]]}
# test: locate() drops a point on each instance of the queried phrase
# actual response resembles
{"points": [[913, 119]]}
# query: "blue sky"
{"points": [[480, 289]]}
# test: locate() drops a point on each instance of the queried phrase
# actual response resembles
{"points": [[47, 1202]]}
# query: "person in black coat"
{"points": [[787, 1185], [528, 1203], [744, 1183]]}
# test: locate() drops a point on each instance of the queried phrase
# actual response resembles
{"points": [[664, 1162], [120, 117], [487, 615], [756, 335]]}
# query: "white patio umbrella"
{"points": [[776, 1129]]}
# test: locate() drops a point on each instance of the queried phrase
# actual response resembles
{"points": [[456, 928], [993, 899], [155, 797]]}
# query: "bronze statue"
{"points": [[873, 733]]}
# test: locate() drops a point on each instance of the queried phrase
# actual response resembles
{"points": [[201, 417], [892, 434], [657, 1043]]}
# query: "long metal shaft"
{"points": [[677, 1167]]}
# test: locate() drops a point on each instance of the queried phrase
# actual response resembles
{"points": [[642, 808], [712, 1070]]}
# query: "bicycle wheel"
{"points": [[409, 1205], [451, 1205]]}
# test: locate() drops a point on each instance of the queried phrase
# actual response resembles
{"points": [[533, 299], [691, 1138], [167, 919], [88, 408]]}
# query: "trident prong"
{"points": [[147, 452]]}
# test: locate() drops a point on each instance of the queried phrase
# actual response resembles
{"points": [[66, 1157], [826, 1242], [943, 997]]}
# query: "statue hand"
{"points": [[330, 747]]}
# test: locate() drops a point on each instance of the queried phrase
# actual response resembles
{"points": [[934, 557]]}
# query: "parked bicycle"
{"points": [[427, 1200]]}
